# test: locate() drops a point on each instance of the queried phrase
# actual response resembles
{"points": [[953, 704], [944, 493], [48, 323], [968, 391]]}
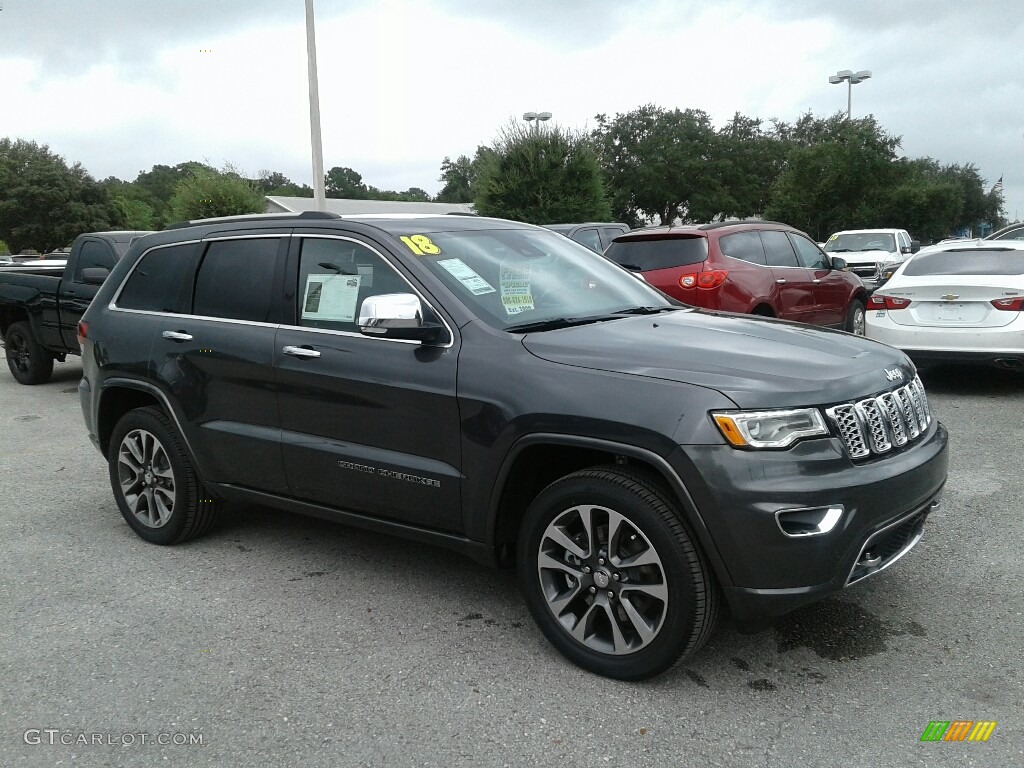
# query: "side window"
{"points": [[808, 253], [610, 233], [94, 253], [236, 279], [777, 249], [589, 238], [745, 246], [160, 281], [335, 276]]}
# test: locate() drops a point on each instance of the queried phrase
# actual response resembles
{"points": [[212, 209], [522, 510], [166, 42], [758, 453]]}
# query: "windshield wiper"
{"points": [[840, 250], [647, 310], [555, 323], [630, 267]]}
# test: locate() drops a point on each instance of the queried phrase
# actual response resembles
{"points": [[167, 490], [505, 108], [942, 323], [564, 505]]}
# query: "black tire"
{"points": [[148, 466], [856, 318], [29, 362], [554, 579]]}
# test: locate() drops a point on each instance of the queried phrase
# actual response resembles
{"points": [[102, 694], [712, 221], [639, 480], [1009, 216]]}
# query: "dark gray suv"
{"points": [[497, 389]]}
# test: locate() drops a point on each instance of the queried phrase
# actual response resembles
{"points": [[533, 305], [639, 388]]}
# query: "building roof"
{"points": [[345, 207]]}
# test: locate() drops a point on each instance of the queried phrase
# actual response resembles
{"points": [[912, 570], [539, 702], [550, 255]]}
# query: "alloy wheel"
{"points": [[146, 478]]}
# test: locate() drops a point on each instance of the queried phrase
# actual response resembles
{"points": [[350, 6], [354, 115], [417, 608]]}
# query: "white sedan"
{"points": [[955, 302]]}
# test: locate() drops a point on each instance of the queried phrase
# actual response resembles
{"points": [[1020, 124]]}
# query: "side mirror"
{"points": [[915, 246], [94, 275], [838, 262], [397, 316]]}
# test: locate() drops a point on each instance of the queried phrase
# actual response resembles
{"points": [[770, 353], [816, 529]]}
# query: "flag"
{"points": [[998, 186]]}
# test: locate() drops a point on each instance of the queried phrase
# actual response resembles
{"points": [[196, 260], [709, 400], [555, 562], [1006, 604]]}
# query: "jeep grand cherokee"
{"points": [[495, 388]]}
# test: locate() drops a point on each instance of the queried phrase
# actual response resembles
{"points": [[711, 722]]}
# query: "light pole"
{"points": [[540, 117], [319, 192], [851, 78]]}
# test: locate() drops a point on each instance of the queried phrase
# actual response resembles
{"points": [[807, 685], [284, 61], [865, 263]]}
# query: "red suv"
{"points": [[753, 267]]}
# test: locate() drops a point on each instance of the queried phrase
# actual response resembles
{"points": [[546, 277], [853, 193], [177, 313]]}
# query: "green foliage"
{"points": [[44, 203], [541, 175], [835, 176], [134, 214], [4, 248], [665, 164], [345, 183], [460, 177], [207, 193]]}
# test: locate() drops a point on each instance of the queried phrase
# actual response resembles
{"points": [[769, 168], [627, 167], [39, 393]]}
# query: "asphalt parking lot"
{"points": [[281, 640]]}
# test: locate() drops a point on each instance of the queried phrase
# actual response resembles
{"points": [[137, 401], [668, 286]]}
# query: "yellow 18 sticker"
{"points": [[421, 245]]}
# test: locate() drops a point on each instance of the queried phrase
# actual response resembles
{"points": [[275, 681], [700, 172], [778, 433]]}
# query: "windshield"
{"points": [[520, 277], [861, 241]]}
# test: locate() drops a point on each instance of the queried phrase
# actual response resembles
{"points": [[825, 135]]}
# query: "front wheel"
{"points": [[28, 361], [611, 575], [855, 322], [154, 482]]}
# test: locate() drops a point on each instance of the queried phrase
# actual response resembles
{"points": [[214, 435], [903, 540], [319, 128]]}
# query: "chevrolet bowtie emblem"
{"points": [[950, 297]]}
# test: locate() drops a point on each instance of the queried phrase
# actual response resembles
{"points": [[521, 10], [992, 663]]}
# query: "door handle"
{"points": [[781, 281], [817, 282], [177, 335], [301, 352]]}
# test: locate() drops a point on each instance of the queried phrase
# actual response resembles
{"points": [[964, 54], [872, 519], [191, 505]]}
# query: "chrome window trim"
{"points": [[390, 263]]}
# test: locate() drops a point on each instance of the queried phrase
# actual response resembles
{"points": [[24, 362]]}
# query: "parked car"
{"points": [[595, 235], [41, 302], [956, 303], [492, 387], [872, 252], [1012, 232], [752, 267]]}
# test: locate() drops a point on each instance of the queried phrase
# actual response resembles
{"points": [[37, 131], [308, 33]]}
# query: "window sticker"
{"points": [[462, 272], [331, 297], [516, 296], [421, 245], [365, 275], [833, 238]]}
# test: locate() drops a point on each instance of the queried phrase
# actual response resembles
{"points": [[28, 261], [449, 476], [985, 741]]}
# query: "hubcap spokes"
{"points": [[602, 579], [146, 478], [17, 350]]}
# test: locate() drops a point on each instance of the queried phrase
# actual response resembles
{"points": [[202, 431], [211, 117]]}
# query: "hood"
{"points": [[756, 362]]}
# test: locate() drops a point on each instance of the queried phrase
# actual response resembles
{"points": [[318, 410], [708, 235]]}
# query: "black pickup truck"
{"points": [[499, 389], [40, 306]]}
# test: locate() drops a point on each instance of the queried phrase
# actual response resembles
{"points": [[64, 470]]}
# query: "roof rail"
{"points": [[251, 217], [734, 222]]}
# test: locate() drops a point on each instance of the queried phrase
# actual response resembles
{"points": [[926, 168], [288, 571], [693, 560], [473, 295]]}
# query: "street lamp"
{"points": [[319, 193], [540, 117], [851, 78]]}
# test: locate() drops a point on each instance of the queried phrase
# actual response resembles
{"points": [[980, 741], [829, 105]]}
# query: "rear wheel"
{"points": [[154, 482], [28, 361], [611, 575], [855, 322]]}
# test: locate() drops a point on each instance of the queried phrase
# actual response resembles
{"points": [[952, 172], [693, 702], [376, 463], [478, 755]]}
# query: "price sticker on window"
{"points": [[421, 245]]}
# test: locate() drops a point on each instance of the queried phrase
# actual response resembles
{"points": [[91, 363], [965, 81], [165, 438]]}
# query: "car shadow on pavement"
{"points": [[971, 380]]}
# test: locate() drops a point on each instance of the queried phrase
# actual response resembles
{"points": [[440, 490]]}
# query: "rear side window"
{"points": [[236, 279], [777, 249], [746, 246], [967, 262], [589, 238], [160, 281], [649, 254], [94, 254]]}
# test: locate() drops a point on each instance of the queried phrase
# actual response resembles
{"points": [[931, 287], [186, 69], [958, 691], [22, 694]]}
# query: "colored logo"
{"points": [[958, 730]]}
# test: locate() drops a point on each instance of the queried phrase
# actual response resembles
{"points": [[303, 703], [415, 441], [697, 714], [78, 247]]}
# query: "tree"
{"points": [[542, 176], [346, 183], [664, 164], [460, 177], [751, 160], [209, 193], [44, 203], [836, 174], [134, 214]]}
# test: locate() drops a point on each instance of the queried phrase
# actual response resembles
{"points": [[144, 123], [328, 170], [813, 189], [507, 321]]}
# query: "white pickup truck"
{"points": [[870, 253]]}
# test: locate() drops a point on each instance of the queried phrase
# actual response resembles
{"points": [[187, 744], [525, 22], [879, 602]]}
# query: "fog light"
{"points": [[815, 521]]}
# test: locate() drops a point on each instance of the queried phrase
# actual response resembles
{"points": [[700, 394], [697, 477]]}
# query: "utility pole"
{"points": [[319, 185]]}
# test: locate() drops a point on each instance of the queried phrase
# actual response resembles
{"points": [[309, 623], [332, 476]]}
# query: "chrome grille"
{"points": [[878, 424]]}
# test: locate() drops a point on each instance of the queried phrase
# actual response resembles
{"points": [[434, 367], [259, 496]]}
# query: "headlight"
{"points": [[769, 429]]}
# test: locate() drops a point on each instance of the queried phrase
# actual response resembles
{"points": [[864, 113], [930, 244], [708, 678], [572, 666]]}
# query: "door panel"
{"points": [[369, 425], [794, 285], [831, 289]]}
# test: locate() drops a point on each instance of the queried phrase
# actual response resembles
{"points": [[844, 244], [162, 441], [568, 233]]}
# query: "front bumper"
{"points": [[763, 571]]}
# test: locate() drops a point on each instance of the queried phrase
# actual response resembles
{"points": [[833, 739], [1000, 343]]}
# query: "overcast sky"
{"points": [[122, 85]]}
